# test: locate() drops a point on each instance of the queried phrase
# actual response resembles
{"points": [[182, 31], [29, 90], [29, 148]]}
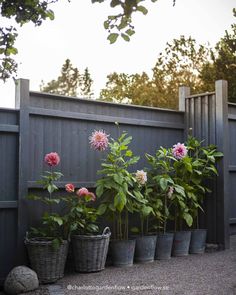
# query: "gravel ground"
{"points": [[208, 274]]}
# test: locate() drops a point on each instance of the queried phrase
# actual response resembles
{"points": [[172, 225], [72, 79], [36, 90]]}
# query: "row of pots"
{"points": [[157, 247], [90, 252]]}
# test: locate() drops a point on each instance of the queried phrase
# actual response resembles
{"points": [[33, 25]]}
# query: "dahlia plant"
{"points": [[144, 208], [53, 224], [178, 177], [193, 172], [81, 216], [162, 184], [116, 187]]}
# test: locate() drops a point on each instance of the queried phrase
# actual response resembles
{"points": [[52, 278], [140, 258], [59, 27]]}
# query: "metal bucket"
{"points": [[145, 249], [198, 241], [164, 246], [181, 243], [123, 252]]}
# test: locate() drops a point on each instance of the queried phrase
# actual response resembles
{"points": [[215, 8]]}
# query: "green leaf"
{"points": [[142, 9], [120, 201], [125, 37], [118, 179], [115, 3], [129, 153], [112, 37], [106, 24], [188, 218], [218, 154], [130, 32], [146, 210], [102, 209], [180, 190], [58, 220], [99, 190], [163, 183]]}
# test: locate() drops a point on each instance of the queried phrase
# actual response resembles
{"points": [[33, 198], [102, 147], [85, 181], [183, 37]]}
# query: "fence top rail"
{"points": [[8, 110], [94, 101], [200, 94], [231, 104]]}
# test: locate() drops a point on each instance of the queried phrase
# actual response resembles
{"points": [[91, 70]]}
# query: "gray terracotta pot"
{"points": [[145, 249], [181, 243], [198, 241], [123, 252], [164, 246]]}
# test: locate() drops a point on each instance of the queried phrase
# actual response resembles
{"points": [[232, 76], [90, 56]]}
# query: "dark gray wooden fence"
{"points": [[44, 123]]}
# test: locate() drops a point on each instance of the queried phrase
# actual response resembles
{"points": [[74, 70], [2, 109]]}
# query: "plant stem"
{"points": [[127, 224], [141, 223], [147, 225], [114, 225], [120, 223]]}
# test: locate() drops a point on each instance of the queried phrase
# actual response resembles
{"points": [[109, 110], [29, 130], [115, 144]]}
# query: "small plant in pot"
{"points": [[145, 241], [194, 165], [204, 160], [182, 197], [115, 190], [47, 245], [161, 199], [89, 248]]}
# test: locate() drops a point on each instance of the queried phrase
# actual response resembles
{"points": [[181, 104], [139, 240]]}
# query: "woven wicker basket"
{"points": [[47, 262], [90, 252]]}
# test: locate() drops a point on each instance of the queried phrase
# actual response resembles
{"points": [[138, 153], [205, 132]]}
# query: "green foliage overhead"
{"points": [[22, 11], [36, 11]]}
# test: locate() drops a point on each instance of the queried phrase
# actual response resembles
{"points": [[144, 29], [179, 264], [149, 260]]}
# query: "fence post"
{"points": [[22, 103], [184, 92], [222, 142]]}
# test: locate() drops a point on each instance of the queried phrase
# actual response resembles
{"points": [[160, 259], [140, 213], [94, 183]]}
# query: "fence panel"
{"points": [[232, 162], [8, 189]]}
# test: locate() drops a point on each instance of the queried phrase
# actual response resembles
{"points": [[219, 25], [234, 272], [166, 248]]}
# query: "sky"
{"points": [[77, 33]]}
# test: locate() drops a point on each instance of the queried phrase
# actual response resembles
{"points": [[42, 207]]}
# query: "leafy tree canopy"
{"points": [[183, 62], [70, 82], [179, 64], [222, 64]]}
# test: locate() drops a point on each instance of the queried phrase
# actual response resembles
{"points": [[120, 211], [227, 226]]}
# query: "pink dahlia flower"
{"points": [[170, 192], [52, 159], [70, 188], [92, 195], [82, 192], [179, 151], [99, 140], [141, 177]]}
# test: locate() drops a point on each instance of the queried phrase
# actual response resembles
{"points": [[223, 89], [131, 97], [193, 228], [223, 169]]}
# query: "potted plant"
{"points": [[115, 190], [203, 168], [161, 199], [193, 166], [145, 241], [89, 248], [47, 245]]}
